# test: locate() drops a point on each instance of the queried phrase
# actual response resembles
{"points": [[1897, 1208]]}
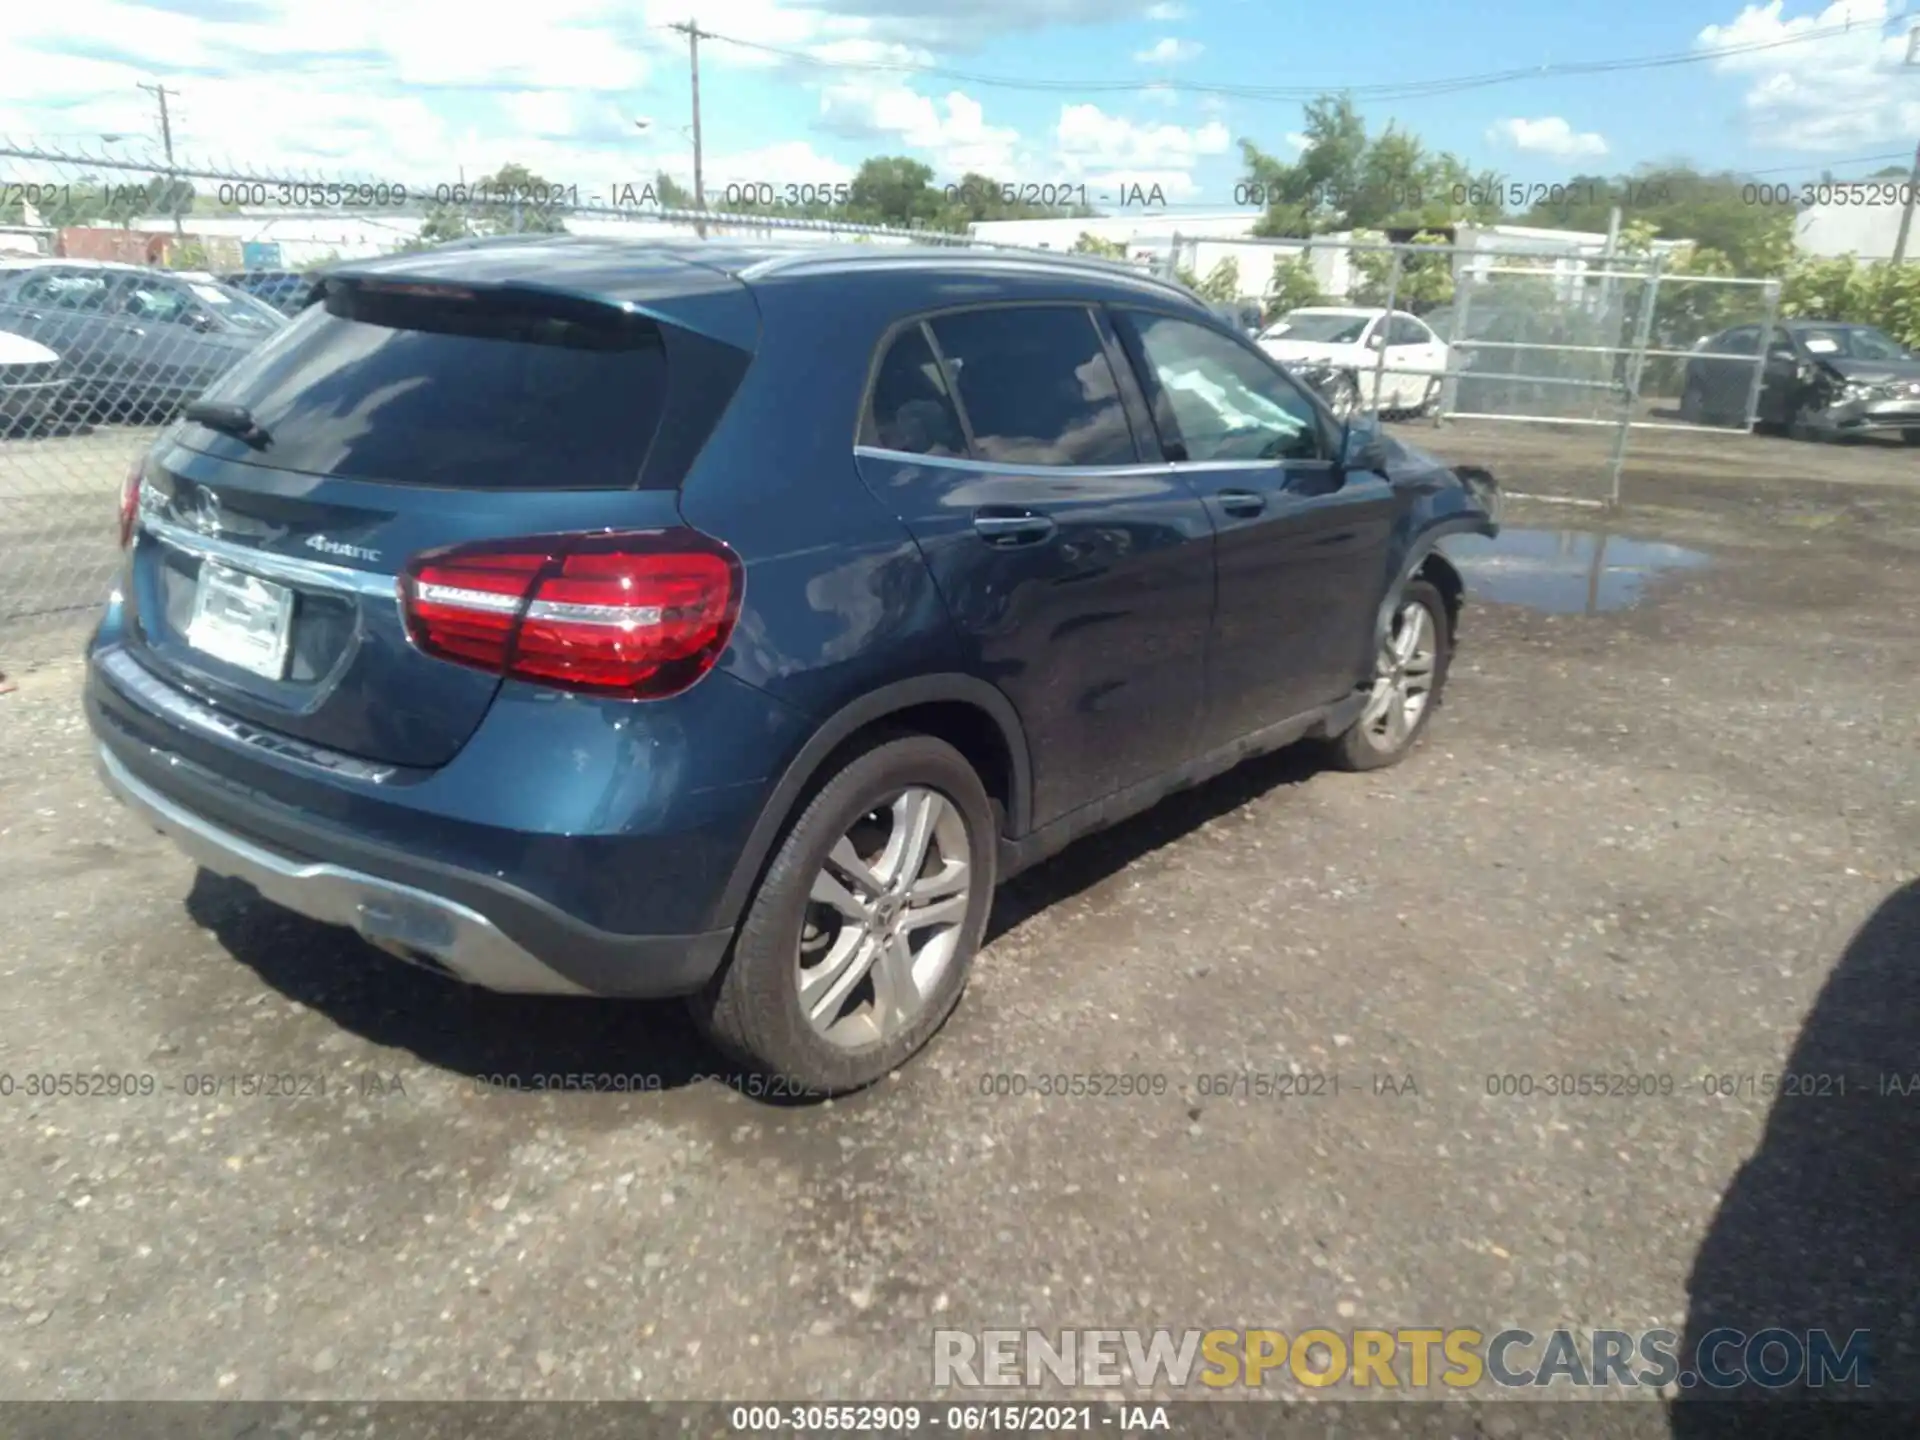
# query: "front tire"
{"points": [[856, 945], [1343, 396], [1409, 673]]}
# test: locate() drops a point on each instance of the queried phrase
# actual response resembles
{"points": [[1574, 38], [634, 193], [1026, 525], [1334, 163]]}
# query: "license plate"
{"points": [[241, 619]]}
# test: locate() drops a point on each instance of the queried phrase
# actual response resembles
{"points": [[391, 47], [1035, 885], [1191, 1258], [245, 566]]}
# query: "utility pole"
{"points": [[693, 32], [1913, 179], [160, 93]]}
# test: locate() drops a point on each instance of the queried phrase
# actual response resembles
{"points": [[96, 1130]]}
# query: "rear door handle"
{"points": [[1012, 527], [1242, 503]]}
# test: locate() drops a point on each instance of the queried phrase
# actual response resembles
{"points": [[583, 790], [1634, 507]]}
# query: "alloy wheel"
{"points": [[1343, 397], [1403, 679], [883, 919]]}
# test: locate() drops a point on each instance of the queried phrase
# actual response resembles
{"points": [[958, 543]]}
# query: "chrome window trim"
{"points": [[1002, 467]]}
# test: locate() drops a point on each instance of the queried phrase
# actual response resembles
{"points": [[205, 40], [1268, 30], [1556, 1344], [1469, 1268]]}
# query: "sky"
{"points": [[1107, 94]]}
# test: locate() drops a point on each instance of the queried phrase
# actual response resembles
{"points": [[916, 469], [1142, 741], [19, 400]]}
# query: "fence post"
{"points": [[1636, 363], [1393, 294], [1760, 355], [1456, 332]]}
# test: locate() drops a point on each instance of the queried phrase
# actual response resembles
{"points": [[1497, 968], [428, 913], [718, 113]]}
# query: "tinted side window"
{"points": [[910, 409], [157, 302], [1407, 331], [1743, 341], [66, 290], [1036, 386], [1219, 400]]}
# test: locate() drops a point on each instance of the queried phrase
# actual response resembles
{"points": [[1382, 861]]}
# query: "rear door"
{"points": [[1727, 372], [1302, 546], [1077, 570], [65, 307], [396, 418], [1415, 357]]}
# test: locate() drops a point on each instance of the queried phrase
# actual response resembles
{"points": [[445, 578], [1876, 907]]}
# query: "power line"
{"points": [[160, 93], [1382, 91], [694, 34]]}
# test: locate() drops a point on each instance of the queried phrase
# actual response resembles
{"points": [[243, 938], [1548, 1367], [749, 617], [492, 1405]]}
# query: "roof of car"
{"points": [[18, 262], [623, 270]]}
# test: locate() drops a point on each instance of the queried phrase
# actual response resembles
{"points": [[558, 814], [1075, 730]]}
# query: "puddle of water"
{"points": [[1565, 572]]}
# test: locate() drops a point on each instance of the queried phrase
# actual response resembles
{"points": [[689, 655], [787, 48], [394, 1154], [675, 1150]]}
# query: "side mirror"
{"points": [[1376, 341], [1362, 448]]}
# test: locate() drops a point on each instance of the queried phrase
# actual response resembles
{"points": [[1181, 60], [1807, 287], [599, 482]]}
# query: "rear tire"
{"points": [[1412, 663], [852, 955]]}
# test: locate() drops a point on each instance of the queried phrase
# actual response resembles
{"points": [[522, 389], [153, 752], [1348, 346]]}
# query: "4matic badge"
{"points": [[339, 547]]}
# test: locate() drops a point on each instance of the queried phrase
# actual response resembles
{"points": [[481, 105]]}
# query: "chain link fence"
{"points": [[1580, 338], [178, 271]]}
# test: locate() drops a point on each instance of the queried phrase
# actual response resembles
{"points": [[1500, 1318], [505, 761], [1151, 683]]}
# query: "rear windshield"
{"points": [[427, 385]]}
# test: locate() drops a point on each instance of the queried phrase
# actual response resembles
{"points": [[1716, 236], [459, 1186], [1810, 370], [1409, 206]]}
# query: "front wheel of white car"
{"points": [[1342, 396]]}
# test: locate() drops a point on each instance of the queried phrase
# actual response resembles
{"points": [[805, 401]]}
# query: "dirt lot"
{"points": [[1675, 838]]}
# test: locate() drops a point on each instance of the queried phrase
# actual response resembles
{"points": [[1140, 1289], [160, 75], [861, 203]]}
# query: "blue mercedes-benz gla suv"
{"points": [[602, 618]]}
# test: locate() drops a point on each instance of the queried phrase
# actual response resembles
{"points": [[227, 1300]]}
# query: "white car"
{"points": [[1340, 350], [31, 380]]}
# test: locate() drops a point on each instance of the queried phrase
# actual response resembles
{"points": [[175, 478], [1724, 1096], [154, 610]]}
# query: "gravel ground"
{"points": [[1675, 839]]}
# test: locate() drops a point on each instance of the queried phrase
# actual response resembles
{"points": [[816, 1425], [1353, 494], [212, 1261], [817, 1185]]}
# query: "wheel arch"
{"points": [[1425, 562], [968, 713]]}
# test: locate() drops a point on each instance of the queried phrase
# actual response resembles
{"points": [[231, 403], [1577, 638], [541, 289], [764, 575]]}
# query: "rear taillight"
{"points": [[641, 614], [130, 501]]}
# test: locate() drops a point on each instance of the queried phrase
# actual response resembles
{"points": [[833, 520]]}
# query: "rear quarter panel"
{"points": [[838, 599]]}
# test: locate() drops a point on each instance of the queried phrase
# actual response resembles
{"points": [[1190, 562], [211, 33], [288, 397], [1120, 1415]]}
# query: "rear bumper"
{"points": [[460, 907], [428, 929]]}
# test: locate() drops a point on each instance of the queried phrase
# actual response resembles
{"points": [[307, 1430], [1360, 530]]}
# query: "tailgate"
{"points": [[389, 421]]}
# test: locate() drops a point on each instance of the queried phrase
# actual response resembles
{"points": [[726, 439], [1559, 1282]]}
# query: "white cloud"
{"points": [[1110, 150], [1170, 51], [1166, 11], [388, 89], [1298, 141], [1841, 83], [1549, 135], [951, 133], [1161, 94]]}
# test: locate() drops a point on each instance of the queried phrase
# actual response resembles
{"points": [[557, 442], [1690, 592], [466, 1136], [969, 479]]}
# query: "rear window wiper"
{"points": [[228, 419]]}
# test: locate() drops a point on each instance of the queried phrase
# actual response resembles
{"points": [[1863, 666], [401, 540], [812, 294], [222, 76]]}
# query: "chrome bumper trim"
{"points": [[141, 684], [399, 919]]}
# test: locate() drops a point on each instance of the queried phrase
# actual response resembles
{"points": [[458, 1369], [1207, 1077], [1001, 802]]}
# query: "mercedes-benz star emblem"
{"points": [[203, 512]]}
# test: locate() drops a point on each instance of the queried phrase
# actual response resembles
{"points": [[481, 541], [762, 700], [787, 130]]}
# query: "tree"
{"points": [[893, 190], [1720, 211], [670, 194], [1094, 245], [1292, 286], [1346, 180], [1424, 280], [1222, 284], [516, 201]]}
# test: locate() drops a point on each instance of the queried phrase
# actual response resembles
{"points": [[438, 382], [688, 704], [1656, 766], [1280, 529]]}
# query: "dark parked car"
{"points": [[585, 617], [287, 291], [134, 343], [1822, 378]]}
